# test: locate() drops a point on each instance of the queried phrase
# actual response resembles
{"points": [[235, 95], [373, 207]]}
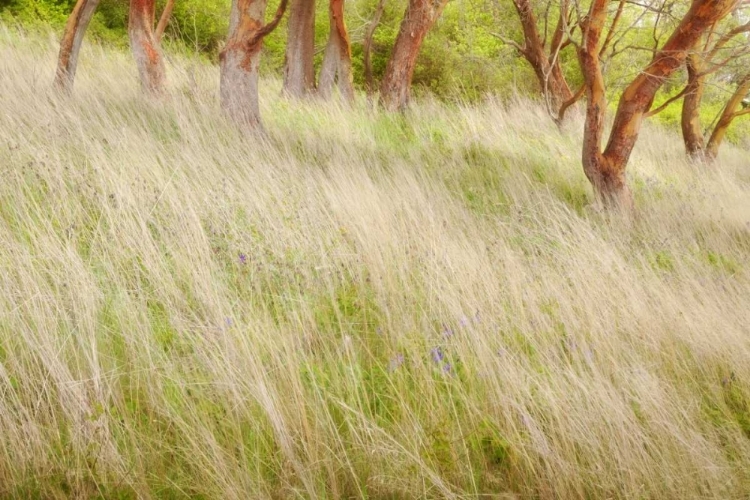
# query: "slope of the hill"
{"points": [[356, 304]]}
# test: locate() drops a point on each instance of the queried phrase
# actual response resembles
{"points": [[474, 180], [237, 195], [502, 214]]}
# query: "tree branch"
{"points": [[166, 15], [510, 42], [666, 103]]}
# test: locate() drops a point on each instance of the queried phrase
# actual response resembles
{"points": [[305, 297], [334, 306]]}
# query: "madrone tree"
{"points": [[337, 61], [736, 106], [70, 44], [146, 46], [240, 59], [418, 20], [714, 54], [299, 69], [144, 41], [543, 53], [605, 169]]}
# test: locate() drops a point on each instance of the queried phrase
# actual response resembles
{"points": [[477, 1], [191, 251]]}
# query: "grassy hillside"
{"points": [[356, 304]]}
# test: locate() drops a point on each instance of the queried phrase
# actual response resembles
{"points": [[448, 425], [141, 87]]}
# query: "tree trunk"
{"points": [[692, 133], [240, 59], [728, 115], [166, 15], [419, 18], [610, 186], [547, 68], [70, 45], [367, 48], [337, 61], [607, 170], [299, 71], [145, 47]]}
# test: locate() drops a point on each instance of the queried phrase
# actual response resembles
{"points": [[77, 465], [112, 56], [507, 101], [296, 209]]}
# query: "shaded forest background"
{"points": [[463, 58]]}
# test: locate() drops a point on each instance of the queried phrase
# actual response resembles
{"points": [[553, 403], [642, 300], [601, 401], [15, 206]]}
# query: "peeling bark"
{"points": [[547, 68], [240, 59], [692, 132], [145, 46], [299, 71], [70, 45], [337, 61], [609, 183], [419, 18], [606, 170], [731, 111]]}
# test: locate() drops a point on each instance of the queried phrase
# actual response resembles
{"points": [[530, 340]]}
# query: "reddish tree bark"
{"points": [[166, 15], [299, 71], [731, 111], [240, 59], [606, 170], [419, 18], [700, 63], [337, 61], [367, 48], [692, 132], [546, 64], [70, 45], [145, 46]]}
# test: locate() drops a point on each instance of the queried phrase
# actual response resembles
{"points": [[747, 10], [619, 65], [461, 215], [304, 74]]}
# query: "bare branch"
{"points": [[567, 104], [666, 103], [510, 42]]}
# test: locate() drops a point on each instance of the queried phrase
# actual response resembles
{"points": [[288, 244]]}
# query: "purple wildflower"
{"points": [[437, 354], [447, 332], [396, 362], [228, 322], [464, 322], [243, 258], [448, 368]]}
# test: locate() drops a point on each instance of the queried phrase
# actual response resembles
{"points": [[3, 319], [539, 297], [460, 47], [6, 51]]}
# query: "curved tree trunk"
{"points": [[547, 68], [607, 170], [692, 133], [70, 45], [299, 71], [166, 15], [337, 61], [240, 59], [367, 48], [609, 182], [145, 47], [728, 115], [419, 18]]}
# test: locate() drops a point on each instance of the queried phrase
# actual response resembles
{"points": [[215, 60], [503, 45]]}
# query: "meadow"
{"points": [[356, 304]]}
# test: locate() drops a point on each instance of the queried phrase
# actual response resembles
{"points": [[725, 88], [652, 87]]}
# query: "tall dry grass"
{"points": [[356, 304]]}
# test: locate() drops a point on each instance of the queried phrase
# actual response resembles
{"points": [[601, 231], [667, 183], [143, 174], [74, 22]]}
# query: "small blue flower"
{"points": [[396, 362], [437, 354], [464, 322], [228, 322], [243, 258], [448, 368]]}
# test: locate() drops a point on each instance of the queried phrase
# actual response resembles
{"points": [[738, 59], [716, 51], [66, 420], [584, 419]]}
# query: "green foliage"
{"points": [[462, 58]]}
